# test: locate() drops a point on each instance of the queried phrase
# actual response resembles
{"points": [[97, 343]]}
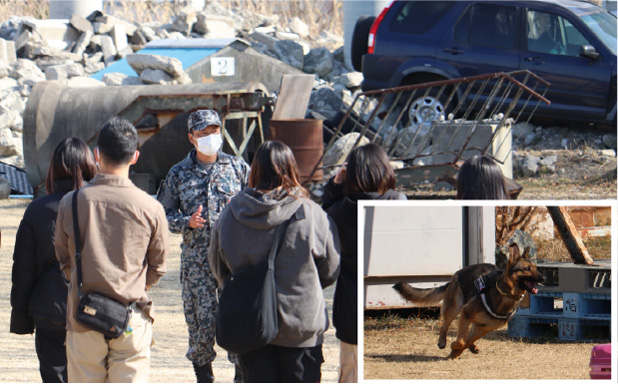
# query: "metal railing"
{"points": [[443, 122]]}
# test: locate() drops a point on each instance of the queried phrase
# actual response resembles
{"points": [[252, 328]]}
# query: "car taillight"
{"points": [[374, 28]]}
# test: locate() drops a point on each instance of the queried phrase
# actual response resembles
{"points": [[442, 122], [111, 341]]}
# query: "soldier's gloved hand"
{"points": [[196, 220]]}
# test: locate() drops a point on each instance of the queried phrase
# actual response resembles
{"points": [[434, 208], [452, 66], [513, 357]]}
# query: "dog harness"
{"points": [[482, 289]]}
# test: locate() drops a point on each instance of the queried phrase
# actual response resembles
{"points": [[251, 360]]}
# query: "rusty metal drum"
{"points": [[306, 139]]}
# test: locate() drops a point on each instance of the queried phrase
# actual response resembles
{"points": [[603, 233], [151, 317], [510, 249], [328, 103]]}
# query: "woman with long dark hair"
{"points": [[307, 262], [39, 292], [480, 178], [367, 175]]}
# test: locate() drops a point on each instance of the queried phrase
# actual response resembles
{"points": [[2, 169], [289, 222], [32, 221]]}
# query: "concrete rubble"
{"points": [[70, 51]]}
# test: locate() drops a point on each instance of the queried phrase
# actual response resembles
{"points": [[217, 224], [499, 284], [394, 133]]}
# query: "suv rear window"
{"points": [[417, 17], [487, 25]]}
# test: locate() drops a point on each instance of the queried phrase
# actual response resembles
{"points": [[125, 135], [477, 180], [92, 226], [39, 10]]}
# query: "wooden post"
{"points": [[569, 235]]}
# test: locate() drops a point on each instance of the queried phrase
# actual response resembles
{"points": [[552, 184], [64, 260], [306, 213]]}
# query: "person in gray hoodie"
{"points": [[307, 262]]}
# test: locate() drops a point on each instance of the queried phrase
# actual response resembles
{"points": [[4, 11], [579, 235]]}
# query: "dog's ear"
{"points": [[526, 254], [513, 253]]}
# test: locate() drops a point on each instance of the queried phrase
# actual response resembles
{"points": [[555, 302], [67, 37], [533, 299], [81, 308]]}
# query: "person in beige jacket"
{"points": [[124, 238]]}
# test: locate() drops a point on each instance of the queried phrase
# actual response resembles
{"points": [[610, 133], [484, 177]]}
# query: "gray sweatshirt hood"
{"points": [[261, 211]]}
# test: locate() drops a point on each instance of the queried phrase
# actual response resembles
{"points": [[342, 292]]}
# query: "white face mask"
{"points": [[210, 144]]}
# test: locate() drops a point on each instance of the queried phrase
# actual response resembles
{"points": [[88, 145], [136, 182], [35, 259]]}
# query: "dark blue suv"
{"points": [[571, 44]]}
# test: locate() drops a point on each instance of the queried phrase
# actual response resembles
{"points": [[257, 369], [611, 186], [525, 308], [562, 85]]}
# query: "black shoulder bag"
{"points": [[95, 311], [247, 316]]}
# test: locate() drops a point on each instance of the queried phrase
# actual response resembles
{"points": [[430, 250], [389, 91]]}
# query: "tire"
{"points": [[426, 109], [358, 47]]}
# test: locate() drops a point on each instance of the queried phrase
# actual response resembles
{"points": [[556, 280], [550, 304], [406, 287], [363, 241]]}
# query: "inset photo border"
{"points": [[543, 308]]}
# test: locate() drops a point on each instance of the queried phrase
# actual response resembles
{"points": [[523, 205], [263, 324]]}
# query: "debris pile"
{"points": [[71, 51]]}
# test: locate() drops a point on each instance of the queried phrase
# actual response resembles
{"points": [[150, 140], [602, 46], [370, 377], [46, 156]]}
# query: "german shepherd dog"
{"points": [[485, 296]]}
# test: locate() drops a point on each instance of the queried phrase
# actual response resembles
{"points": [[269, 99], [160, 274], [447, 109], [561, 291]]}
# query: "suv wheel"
{"points": [[425, 110], [358, 47]]}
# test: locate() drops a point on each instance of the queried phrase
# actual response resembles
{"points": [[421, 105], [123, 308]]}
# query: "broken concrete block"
{"points": [[109, 60], [530, 165], [95, 42], [265, 39], [140, 62], [126, 51], [94, 58], [350, 80], [38, 48], [215, 27], [152, 76], [8, 83], [24, 68], [11, 100], [7, 52], [8, 145], [104, 24], [118, 79], [64, 71], [113, 78], [148, 33], [83, 42], [94, 67], [164, 31], [299, 27], [81, 24], [138, 39], [290, 52], [4, 70], [11, 52], [319, 61], [108, 47], [326, 102], [549, 163], [119, 35], [57, 33], [338, 153], [21, 41], [185, 20]]}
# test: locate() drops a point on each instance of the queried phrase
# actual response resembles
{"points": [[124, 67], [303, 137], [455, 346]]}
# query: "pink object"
{"points": [[601, 362]]}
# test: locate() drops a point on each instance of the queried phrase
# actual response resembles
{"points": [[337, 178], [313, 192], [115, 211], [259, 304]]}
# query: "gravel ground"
{"points": [[169, 365]]}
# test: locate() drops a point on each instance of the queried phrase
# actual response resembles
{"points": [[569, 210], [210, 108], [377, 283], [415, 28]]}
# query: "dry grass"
{"points": [[318, 15], [323, 15], [36, 9], [599, 248]]}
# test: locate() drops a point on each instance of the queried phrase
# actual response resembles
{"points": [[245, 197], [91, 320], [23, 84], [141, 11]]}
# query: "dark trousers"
{"points": [[276, 364], [52, 354]]}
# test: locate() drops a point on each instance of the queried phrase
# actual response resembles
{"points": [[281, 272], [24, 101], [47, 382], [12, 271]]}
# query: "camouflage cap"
{"points": [[201, 119]]}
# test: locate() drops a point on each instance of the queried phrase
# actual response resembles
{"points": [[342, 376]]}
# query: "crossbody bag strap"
{"points": [[280, 234], [78, 255]]}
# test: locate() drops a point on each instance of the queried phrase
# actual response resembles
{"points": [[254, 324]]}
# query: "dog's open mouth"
{"points": [[530, 287]]}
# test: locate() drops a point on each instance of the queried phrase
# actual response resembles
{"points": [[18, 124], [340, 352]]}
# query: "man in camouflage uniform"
{"points": [[194, 194]]}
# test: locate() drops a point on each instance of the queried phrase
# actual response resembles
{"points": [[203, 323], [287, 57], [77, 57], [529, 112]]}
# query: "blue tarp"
{"points": [[187, 55]]}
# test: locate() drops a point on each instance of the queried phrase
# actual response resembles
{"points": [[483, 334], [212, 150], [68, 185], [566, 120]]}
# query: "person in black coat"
{"points": [[367, 175], [39, 291]]}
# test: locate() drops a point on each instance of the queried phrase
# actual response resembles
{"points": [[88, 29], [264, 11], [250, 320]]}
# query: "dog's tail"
{"points": [[421, 296]]}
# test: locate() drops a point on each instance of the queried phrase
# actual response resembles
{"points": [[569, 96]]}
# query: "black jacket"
{"points": [[39, 291], [342, 209]]}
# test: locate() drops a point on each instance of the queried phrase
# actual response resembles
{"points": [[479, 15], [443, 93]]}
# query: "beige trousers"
{"points": [[348, 359], [126, 359]]}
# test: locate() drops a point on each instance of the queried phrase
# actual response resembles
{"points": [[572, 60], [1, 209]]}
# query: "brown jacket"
{"points": [[124, 239]]}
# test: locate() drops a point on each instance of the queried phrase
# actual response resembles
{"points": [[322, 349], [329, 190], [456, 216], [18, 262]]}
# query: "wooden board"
{"points": [[294, 95]]}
